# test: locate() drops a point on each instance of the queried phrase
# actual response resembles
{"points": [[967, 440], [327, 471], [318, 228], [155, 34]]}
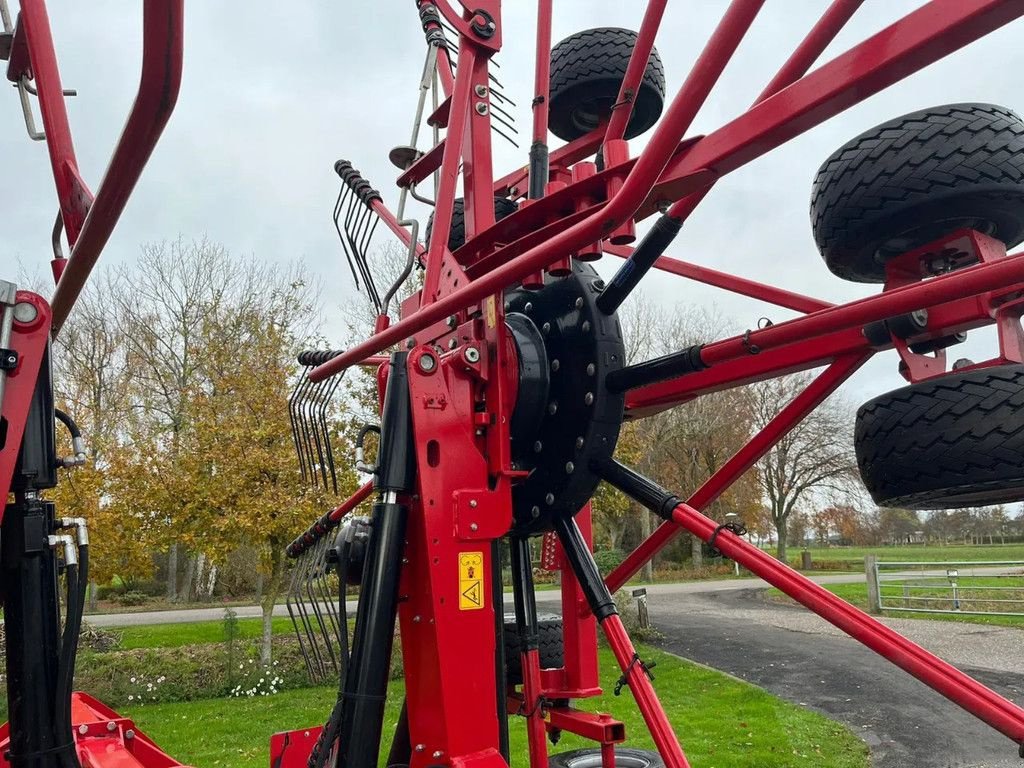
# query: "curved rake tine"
{"points": [[324, 573], [293, 416], [322, 416], [317, 663], [314, 603], [665, 230], [314, 428], [288, 602], [304, 426], [338, 205]]}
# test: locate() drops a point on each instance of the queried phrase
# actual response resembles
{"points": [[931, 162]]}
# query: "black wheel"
{"points": [[625, 757], [552, 651], [586, 72], [952, 441], [457, 235], [916, 178]]}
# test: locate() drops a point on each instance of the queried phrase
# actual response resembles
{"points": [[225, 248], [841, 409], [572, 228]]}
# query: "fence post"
{"points": [[874, 595]]}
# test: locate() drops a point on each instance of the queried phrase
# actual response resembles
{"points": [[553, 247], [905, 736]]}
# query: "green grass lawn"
{"points": [[857, 594], [721, 722], [192, 632]]}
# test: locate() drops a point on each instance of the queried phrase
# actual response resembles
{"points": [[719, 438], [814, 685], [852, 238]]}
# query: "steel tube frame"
{"points": [[635, 189], [623, 108], [158, 91], [50, 94], [745, 458], [729, 282], [901, 49]]}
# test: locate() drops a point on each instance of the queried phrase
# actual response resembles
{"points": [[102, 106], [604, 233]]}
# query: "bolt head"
{"points": [[452, 321], [553, 407], [437, 753], [24, 312], [83, 729], [420, 747], [586, 326], [528, 307], [410, 343], [473, 527], [427, 363], [579, 443], [549, 499], [472, 354], [111, 725], [480, 90], [579, 303], [569, 467], [589, 398], [129, 734], [472, 503], [534, 512], [481, 108], [591, 369], [555, 365], [453, 343], [538, 446]]}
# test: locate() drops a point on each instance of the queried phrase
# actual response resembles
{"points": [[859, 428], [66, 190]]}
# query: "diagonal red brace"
{"points": [[982, 702]]}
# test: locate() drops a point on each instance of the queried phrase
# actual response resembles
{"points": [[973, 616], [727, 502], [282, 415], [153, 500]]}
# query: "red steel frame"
{"points": [[460, 408]]}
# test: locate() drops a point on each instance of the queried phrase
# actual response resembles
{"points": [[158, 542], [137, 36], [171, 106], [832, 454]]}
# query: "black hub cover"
{"points": [[580, 421]]}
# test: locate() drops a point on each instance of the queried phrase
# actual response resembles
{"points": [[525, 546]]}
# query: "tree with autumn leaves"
{"points": [[178, 371]]}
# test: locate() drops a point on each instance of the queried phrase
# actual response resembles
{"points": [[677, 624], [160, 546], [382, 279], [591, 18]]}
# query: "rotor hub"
{"points": [[558, 430]]}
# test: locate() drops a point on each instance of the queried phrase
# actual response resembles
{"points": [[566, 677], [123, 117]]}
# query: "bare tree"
{"points": [[816, 456]]}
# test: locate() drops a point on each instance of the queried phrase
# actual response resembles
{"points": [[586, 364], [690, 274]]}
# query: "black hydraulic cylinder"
{"points": [[639, 488], [582, 562], [29, 574], [538, 169], [366, 679], [36, 468], [659, 369], [639, 263], [523, 594], [500, 665]]}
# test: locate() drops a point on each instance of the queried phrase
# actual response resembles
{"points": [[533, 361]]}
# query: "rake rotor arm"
{"points": [[980, 701], [729, 282], [752, 452], [163, 42], [974, 280], [623, 108]]}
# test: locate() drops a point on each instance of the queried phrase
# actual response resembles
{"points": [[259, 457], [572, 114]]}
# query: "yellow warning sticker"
{"points": [[471, 581]]}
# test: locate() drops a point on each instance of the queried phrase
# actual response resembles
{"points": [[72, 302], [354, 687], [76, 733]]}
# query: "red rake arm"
{"points": [[163, 41]]}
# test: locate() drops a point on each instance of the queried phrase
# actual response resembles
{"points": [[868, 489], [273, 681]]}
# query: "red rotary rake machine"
{"points": [[500, 411]]}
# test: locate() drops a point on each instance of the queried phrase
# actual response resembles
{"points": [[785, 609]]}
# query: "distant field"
{"points": [[857, 594], [855, 555]]}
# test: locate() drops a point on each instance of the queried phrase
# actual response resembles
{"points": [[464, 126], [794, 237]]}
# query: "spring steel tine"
{"points": [[351, 211], [325, 593], [304, 427], [316, 605], [292, 613], [355, 220], [311, 404], [293, 418], [507, 123], [328, 396], [316, 661], [338, 205], [298, 396], [509, 139], [367, 225]]}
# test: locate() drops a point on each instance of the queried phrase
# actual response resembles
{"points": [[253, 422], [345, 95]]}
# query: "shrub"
{"points": [[131, 597], [608, 559]]}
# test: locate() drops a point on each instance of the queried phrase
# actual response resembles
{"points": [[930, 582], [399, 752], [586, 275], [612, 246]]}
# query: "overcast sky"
{"points": [[274, 93]]}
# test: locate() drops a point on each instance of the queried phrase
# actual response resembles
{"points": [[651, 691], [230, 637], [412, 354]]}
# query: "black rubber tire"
{"points": [[550, 646], [952, 441], [625, 757], [586, 72], [457, 235], [915, 179]]}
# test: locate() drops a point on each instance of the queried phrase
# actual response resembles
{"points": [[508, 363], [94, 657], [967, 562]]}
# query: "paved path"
{"points": [[798, 656]]}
